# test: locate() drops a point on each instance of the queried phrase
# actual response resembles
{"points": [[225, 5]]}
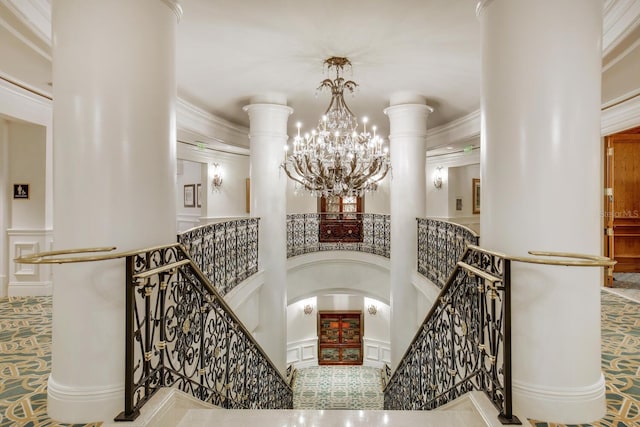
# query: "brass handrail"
{"points": [[45, 257], [578, 260]]}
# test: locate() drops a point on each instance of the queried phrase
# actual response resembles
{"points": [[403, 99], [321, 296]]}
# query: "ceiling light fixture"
{"points": [[335, 159]]}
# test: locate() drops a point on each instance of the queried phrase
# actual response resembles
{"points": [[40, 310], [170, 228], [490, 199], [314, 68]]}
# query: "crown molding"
{"points": [[620, 17], [34, 14], [212, 130], [621, 116], [461, 129], [175, 7]]}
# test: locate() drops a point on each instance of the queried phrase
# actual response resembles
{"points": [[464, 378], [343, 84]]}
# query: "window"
{"points": [[336, 207]]}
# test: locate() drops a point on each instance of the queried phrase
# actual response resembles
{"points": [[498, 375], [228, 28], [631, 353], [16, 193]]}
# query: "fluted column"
{"points": [[114, 183], [542, 190], [268, 117], [408, 125]]}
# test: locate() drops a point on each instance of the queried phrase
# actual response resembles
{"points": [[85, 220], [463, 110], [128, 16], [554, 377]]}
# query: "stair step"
{"points": [[333, 418]]}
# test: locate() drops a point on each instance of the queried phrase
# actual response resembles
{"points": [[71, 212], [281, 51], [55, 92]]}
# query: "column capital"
{"points": [[175, 7]]}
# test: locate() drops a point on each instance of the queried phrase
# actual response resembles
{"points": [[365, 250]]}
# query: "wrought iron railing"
{"points": [[440, 246], [180, 333], [303, 231], [226, 252], [465, 342]]}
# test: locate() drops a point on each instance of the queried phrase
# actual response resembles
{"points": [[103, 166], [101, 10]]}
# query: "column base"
{"points": [[577, 405], [81, 405]]}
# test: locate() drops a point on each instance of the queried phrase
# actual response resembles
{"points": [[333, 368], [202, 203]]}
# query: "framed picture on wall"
{"points": [[475, 190], [198, 195], [189, 196]]}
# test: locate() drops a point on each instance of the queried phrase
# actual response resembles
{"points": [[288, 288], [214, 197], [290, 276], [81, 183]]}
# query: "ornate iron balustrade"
{"points": [[465, 342], [226, 252], [440, 246], [180, 333], [303, 235]]}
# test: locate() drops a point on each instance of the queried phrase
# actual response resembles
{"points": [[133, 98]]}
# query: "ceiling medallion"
{"points": [[335, 159]]}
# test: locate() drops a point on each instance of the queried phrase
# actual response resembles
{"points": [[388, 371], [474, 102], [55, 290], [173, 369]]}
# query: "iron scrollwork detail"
{"points": [[303, 232], [440, 246], [464, 343], [181, 333]]}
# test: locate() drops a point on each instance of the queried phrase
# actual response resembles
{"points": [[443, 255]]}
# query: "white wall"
{"points": [[460, 187], [622, 79], [457, 171], [26, 152], [188, 173], [196, 166], [378, 201]]}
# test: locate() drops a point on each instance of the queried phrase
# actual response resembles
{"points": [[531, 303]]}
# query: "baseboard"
{"points": [[4, 286], [81, 405], [575, 405], [29, 289]]}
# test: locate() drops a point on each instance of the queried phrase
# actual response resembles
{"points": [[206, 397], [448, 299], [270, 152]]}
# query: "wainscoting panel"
{"points": [[376, 353], [304, 353], [29, 279]]}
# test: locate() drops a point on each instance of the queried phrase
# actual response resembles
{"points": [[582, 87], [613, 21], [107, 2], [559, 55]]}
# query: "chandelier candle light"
{"points": [[335, 159]]}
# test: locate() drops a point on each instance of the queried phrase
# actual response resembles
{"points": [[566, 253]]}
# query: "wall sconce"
{"points": [[437, 178], [217, 177], [308, 309], [372, 310]]}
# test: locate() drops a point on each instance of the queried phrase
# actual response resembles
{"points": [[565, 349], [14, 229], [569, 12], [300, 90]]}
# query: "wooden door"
{"points": [[340, 338], [622, 202]]}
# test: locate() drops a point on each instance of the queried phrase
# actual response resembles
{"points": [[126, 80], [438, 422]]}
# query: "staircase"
{"points": [[172, 408]]}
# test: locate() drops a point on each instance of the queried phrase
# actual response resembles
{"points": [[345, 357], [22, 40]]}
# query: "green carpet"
{"points": [[620, 363], [25, 362], [338, 387]]}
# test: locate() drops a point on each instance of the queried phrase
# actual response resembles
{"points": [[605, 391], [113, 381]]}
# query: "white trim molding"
{"points": [[622, 116], [619, 19], [303, 353], [376, 353], [28, 279], [531, 400], [461, 129]]}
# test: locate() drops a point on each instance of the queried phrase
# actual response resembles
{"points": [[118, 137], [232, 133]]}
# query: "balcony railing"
{"points": [[440, 246], [303, 234], [226, 252]]}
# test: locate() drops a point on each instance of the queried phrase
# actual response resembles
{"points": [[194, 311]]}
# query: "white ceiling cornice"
{"points": [[35, 14], [619, 19], [461, 129], [214, 131]]}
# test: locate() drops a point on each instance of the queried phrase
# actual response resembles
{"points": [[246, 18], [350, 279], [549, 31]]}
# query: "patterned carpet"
{"points": [[25, 363], [620, 363], [338, 387]]}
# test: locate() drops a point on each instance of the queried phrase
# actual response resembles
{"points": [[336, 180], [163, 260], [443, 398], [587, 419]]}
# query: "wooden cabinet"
{"points": [[340, 337], [340, 220]]}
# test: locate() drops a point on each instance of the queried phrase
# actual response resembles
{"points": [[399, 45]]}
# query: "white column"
{"points": [[268, 117], [541, 190], [114, 183], [408, 132]]}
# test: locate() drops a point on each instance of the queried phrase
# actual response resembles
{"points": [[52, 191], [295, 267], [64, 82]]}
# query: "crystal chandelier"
{"points": [[335, 159]]}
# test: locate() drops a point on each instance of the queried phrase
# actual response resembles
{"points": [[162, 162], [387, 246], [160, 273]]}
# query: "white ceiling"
{"points": [[230, 50]]}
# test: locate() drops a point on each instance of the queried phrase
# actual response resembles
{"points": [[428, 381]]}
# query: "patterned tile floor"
{"points": [[338, 387], [25, 363]]}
